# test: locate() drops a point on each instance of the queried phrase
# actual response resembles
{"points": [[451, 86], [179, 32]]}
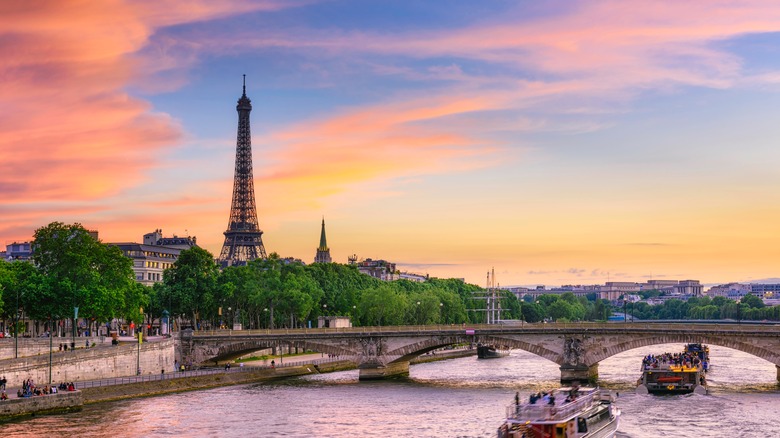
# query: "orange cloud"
{"points": [[70, 132], [320, 158]]}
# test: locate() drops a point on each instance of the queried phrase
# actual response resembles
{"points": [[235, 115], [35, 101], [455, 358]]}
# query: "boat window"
{"points": [[560, 432], [582, 425]]}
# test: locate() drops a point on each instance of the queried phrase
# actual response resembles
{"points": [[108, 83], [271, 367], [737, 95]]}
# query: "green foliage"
{"points": [[752, 301], [79, 271], [74, 269], [191, 284]]}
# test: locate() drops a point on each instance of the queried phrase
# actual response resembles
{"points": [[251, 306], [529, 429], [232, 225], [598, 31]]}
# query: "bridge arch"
{"points": [[234, 350], [735, 343]]}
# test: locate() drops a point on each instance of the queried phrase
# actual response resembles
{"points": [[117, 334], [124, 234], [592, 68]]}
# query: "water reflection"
{"points": [[456, 398]]}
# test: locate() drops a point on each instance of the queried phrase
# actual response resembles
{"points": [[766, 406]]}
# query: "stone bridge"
{"points": [[577, 348]]}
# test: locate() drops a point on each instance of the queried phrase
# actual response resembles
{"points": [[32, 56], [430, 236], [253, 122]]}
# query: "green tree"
{"points": [[24, 291], [192, 284], [81, 272], [532, 312], [382, 305], [561, 310], [752, 301]]}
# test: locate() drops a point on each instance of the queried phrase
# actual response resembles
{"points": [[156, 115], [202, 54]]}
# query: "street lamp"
{"points": [[231, 318], [16, 327], [50, 348], [140, 339], [266, 312], [625, 316], [73, 331]]}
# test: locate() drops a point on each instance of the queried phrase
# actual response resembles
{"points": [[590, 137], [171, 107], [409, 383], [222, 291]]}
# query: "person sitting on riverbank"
{"points": [[71, 387], [3, 396]]}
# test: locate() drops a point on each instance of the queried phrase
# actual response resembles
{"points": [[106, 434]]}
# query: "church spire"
{"points": [[323, 252], [323, 240]]}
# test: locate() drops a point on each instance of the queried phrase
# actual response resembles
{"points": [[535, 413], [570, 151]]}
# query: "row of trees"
{"points": [[71, 269], [276, 293], [750, 307]]}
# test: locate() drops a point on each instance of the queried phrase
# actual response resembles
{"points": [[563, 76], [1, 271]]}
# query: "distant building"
{"points": [[613, 290], [156, 238], [333, 322], [419, 278], [380, 269], [155, 255], [663, 286], [732, 291], [17, 251], [690, 287], [323, 252], [765, 290]]}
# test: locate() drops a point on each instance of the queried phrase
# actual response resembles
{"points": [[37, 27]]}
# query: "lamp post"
{"points": [[265, 310], [417, 314], [625, 316], [522, 317], [16, 328], [230, 315], [50, 348], [140, 339], [538, 305], [73, 331]]}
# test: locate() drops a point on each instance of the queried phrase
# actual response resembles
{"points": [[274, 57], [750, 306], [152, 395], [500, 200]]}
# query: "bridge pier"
{"points": [[394, 369], [583, 373], [778, 372]]}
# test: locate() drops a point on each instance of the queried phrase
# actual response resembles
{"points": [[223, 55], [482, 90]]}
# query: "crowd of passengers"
{"points": [[687, 360], [548, 398], [29, 389]]}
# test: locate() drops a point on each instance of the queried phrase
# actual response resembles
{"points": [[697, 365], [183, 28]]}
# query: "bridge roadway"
{"points": [[577, 348]]}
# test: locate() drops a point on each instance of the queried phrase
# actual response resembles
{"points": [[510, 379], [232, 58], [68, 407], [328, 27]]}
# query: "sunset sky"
{"points": [[559, 142]]}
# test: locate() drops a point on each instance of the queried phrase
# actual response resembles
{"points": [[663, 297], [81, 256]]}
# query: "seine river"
{"points": [[456, 398]]}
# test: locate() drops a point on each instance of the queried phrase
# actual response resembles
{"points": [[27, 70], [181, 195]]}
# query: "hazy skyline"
{"points": [[559, 142]]}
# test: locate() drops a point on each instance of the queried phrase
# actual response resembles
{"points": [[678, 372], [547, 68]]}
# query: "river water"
{"points": [[463, 397]]}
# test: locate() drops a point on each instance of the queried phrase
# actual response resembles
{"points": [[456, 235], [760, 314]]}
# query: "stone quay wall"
{"points": [[21, 407], [40, 346], [103, 362]]}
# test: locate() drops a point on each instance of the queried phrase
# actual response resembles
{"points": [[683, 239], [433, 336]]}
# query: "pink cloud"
{"points": [[70, 132], [319, 158]]}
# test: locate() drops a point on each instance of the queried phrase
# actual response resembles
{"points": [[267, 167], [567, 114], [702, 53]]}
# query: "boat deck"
{"points": [[541, 413]]}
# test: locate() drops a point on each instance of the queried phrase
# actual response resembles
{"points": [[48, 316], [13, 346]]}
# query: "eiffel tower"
{"points": [[243, 238]]}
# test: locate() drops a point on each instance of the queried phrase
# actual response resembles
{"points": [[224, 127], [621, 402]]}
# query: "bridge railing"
{"points": [[476, 328]]}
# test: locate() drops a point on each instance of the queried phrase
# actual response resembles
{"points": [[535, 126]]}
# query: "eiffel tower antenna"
{"points": [[243, 238]]}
